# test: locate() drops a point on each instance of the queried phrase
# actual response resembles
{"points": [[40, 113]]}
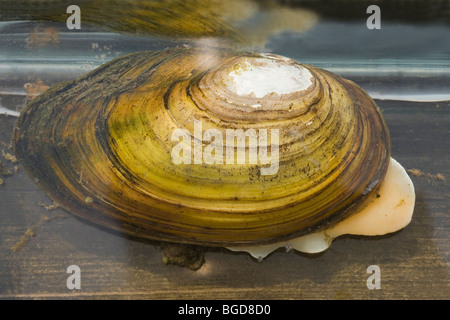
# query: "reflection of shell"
{"points": [[101, 147], [246, 23], [173, 19]]}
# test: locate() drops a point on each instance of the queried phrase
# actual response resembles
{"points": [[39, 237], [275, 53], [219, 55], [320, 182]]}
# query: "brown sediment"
{"points": [[35, 88], [434, 177], [50, 207], [29, 233], [41, 37], [8, 156]]}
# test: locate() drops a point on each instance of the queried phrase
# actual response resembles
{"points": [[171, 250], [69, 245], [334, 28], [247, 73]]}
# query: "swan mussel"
{"points": [[246, 151]]}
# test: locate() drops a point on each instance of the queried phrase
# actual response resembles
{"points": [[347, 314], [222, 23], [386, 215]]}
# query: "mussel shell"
{"points": [[100, 146]]}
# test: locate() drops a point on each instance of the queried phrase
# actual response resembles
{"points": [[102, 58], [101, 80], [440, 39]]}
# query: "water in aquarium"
{"points": [[398, 52]]}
